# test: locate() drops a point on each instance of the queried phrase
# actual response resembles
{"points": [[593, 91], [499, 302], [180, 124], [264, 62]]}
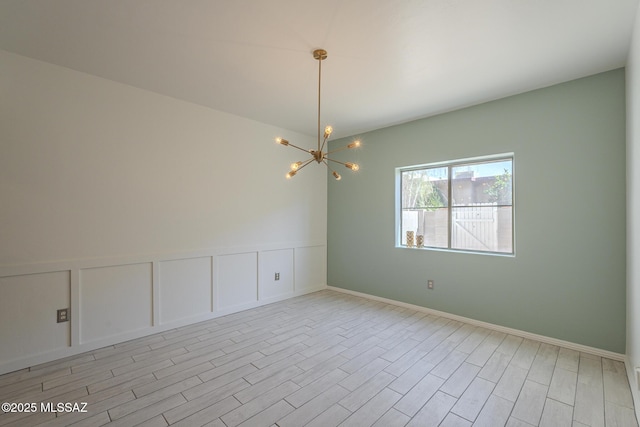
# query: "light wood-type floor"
{"points": [[328, 359]]}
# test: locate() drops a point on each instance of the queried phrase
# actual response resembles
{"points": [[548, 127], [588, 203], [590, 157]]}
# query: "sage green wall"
{"points": [[567, 279]]}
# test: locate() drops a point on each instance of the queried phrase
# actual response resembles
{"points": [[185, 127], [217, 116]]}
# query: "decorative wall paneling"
{"points": [[28, 314], [115, 300]]}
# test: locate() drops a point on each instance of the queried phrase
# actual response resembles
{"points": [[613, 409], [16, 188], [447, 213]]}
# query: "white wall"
{"points": [[140, 212], [633, 213]]}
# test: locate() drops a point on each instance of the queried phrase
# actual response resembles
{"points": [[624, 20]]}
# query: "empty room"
{"points": [[320, 213]]}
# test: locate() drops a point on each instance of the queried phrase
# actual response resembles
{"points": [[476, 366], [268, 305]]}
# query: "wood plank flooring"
{"points": [[327, 359]]}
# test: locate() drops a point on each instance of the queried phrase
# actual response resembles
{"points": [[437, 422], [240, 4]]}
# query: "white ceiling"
{"points": [[389, 61]]}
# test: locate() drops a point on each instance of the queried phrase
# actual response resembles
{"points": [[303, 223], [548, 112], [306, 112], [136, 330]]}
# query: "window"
{"points": [[464, 205]]}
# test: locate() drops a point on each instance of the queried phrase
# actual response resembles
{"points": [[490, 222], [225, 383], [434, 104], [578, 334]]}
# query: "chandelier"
{"points": [[319, 155]]}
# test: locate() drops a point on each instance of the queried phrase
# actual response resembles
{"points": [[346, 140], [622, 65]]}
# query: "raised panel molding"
{"points": [[272, 262], [237, 281], [184, 288], [28, 306], [115, 300]]}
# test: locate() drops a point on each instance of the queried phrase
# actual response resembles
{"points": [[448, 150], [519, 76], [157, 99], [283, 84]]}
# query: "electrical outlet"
{"points": [[277, 276], [429, 284], [63, 315]]}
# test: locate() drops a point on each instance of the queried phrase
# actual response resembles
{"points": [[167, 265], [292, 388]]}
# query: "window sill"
{"points": [[458, 251]]}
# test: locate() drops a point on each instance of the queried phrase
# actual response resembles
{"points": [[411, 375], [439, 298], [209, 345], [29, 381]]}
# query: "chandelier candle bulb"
{"points": [[337, 176]]}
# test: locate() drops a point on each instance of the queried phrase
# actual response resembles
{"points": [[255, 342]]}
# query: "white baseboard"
{"points": [[548, 340]]}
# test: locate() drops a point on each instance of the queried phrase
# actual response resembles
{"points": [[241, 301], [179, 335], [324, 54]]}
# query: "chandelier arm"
{"points": [[334, 173], [323, 143], [338, 149], [329, 167], [299, 148], [335, 161], [308, 162]]}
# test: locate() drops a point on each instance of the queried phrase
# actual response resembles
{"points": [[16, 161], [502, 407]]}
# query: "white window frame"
{"points": [[449, 164]]}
